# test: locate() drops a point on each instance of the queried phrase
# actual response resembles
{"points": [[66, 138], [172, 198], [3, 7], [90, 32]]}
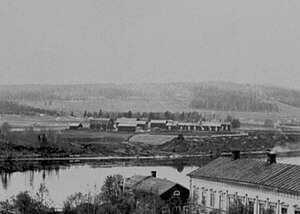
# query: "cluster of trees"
{"points": [[112, 199], [10, 107], [167, 115], [24, 203]]}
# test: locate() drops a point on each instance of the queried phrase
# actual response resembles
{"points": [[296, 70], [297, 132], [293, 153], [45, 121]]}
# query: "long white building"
{"points": [[261, 186]]}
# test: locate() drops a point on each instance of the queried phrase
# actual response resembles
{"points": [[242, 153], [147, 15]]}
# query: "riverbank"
{"points": [[86, 145]]}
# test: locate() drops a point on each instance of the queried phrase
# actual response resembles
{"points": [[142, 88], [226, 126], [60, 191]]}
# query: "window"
{"points": [[212, 199], [222, 202], [176, 193], [272, 208], [251, 207], [203, 198], [284, 210], [262, 208], [195, 194]]}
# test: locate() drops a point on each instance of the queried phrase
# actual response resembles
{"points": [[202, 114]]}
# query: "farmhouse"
{"points": [[260, 186], [164, 188], [103, 124], [75, 126]]}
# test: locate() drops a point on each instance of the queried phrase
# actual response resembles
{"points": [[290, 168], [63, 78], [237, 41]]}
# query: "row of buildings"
{"points": [[136, 124], [231, 185]]}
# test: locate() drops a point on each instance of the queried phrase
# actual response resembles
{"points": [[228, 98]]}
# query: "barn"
{"points": [[103, 124]]}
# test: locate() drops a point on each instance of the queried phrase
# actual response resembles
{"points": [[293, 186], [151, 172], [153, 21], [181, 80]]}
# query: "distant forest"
{"points": [[10, 107], [204, 95]]}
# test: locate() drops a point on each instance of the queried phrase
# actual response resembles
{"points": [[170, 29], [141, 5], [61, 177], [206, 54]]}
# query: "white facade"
{"points": [[218, 196]]}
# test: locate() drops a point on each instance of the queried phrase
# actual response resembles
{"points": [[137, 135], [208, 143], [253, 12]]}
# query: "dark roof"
{"points": [[276, 176], [150, 184]]}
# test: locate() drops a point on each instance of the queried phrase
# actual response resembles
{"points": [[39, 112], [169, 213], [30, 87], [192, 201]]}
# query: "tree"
{"points": [[269, 123], [129, 114], [6, 128], [100, 113], [235, 123]]}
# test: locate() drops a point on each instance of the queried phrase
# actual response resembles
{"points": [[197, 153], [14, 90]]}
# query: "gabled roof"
{"points": [[159, 121], [126, 120], [75, 124], [127, 124], [277, 176], [150, 184]]}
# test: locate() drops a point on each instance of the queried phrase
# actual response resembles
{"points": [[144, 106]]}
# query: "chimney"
{"points": [[235, 155], [271, 158], [153, 174]]}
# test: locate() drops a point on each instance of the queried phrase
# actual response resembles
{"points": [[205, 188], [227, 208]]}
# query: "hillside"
{"points": [[204, 96]]}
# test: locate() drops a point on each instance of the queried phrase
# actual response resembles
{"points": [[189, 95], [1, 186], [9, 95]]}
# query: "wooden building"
{"points": [[164, 188], [127, 127], [158, 124], [103, 124]]}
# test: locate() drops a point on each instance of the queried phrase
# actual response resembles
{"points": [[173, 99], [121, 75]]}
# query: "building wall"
{"points": [[218, 196]]}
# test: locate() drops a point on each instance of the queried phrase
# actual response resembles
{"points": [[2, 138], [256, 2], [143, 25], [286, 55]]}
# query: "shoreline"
{"points": [[151, 157]]}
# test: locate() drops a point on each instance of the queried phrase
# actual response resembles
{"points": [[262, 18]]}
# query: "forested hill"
{"points": [[204, 95]]}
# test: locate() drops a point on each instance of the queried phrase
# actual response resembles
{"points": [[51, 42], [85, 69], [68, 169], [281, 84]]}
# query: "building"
{"points": [[75, 126], [261, 186], [103, 124], [226, 126], [143, 124], [158, 124], [211, 126], [164, 188], [124, 120], [127, 127]]}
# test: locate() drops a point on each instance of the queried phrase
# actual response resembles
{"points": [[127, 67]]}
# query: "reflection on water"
{"points": [[66, 180]]}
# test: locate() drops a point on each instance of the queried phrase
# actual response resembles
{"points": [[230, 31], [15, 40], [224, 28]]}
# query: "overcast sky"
{"points": [[133, 41]]}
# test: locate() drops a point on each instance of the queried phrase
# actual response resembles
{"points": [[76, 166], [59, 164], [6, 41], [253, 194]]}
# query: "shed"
{"points": [[76, 126]]}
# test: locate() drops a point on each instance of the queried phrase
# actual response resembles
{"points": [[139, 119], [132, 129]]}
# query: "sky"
{"points": [[150, 41]]}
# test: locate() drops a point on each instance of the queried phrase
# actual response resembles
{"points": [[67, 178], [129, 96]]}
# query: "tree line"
{"points": [[193, 116], [11, 107]]}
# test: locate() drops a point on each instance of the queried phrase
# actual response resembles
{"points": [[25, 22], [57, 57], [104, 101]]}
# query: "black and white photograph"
{"points": [[149, 107]]}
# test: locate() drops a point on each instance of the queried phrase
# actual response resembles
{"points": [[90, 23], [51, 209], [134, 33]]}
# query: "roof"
{"points": [[278, 176], [126, 120], [188, 124], [101, 120], [150, 184], [208, 123], [127, 124], [75, 124], [159, 121]]}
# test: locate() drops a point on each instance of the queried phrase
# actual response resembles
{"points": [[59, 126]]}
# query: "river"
{"points": [[66, 180]]}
